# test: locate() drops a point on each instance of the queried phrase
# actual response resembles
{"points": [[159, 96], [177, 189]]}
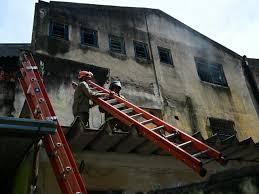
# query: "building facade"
{"points": [[165, 67]]}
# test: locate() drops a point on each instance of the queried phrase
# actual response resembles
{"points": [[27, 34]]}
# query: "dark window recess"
{"points": [[223, 128], [89, 37], [211, 72], [58, 30], [141, 50], [117, 44], [165, 55]]}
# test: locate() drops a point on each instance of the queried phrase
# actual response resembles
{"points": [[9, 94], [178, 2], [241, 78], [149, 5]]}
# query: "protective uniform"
{"points": [[81, 98]]}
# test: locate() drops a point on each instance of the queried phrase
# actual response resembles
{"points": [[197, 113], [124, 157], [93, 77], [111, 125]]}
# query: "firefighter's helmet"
{"points": [[115, 84], [85, 74]]}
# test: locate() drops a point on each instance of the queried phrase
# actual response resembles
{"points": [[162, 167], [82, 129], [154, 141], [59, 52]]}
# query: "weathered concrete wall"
{"points": [[244, 181], [182, 82], [132, 173], [58, 75], [137, 78], [147, 83], [176, 90], [8, 85]]}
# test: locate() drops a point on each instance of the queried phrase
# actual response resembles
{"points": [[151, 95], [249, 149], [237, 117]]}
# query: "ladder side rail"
{"points": [[49, 140], [48, 144], [167, 145], [175, 151], [59, 129], [200, 146]]}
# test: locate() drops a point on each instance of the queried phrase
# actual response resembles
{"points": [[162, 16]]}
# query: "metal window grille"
{"points": [[117, 44], [211, 72], [165, 55], [89, 37], [141, 50], [58, 30]]}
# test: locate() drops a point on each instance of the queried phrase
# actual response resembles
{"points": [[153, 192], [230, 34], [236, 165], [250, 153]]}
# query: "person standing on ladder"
{"points": [[115, 87], [82, 93], [112, 124]]}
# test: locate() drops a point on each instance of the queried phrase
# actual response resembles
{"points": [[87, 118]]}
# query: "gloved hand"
{"points": [[112, 93]]}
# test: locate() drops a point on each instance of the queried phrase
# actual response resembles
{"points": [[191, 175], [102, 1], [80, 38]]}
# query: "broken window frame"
{"points": [[116, 41], [165, 53], [137, 48], [90, 32], [58, 30], [211, 72], [224, 129]]}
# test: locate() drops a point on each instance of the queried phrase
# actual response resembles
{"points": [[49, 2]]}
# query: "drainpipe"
{"points": [[152, 58]]}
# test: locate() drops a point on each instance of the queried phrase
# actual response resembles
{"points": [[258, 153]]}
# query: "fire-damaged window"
{"points": [[141, 50], [117, 44], [89, 37], [165, 55], [224, 129], [210, 72], [58, 30]]}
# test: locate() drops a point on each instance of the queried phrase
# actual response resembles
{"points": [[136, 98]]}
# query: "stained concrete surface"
{"points": [[175, 90]]}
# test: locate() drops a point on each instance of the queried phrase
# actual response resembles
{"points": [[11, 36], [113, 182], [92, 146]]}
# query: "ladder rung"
{"points": [[101, 93], [146, 121], [119, 105], [111, 101], [128, 110], [31, 67], [200, 153], [184, 144], [156, 128], [136, 115], [29, 89], [171, 135], [94, 88]]}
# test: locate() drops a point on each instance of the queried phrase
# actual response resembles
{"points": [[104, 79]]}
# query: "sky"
{"points": [[232, 23]]}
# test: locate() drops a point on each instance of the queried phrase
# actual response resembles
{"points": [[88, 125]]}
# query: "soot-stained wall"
{"points": [[175, 89]]}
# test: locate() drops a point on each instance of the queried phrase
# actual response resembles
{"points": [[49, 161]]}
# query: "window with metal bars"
{"points": [[210, 72], [224, 129], [141, 50], [58, 30], [89, 37], [165, 55], [117, 44]]}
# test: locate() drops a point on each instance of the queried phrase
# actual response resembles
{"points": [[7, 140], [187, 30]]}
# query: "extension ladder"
{"points": [[57, 148], [179, 144]]}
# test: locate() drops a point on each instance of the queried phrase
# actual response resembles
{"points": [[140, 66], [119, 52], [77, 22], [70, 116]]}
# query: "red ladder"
{"points": [[57, 148], [179, 144]]}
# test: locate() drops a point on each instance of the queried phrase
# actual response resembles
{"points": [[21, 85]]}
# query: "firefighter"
{"points": [[81, 104], [115, 87], [112, 124]]}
